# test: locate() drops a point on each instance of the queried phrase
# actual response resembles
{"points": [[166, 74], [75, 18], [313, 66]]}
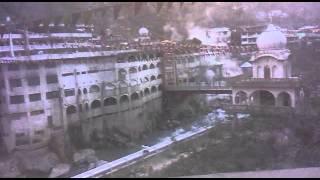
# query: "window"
{"points": [[34, 113], [40, 132], [50, 65], [15, 83], [52, 78], [34, 97], [32, 66], [52, 94], [2, 85], [13, 67], [67, 74], [50, 123], [69, 92], [17, 99], [33, 80]]}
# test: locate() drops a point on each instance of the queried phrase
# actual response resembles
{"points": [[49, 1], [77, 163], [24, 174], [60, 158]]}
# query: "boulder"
{"points": [[38, 160], [101, 162], [85, 156], [91, 166], [59, 170], [9, 168]]}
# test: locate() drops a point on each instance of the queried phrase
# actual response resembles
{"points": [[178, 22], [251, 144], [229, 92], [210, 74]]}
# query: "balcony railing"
{"points": [[261, 83]]}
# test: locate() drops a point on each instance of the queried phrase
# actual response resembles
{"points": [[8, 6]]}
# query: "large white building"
{"points": [[50, 82]]}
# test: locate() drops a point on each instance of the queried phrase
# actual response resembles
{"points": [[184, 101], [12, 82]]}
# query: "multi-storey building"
{"points": [[50, 81]]}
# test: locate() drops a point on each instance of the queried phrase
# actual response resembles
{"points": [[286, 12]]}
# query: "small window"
{"points": [[39, 133], [17, 99], [2, 84], [52, 94], [34, 113], [69, 92], [50, 122], [34, 97], [13, 67], [52, 78], [33, 80], [67, 74], [32, 66], [50, 65], [15, 83]]}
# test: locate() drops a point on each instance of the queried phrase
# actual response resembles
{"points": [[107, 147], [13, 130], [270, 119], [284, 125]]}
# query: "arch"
{"points": [[71, 109], [267, 74], [144, 67], [110, 101], [153, 89], [94, 89], [109, 86], [151, 56], [141, 93], [259, 72], [152, 78], [146, 91], [241, 97], [122, 73], [152, 66], [284, 99], [131, 58], [95, 104], [159, 76], [134, 96], [133, 70], [158, 64], [263, 98], [274, 71], [139, 68], [79, 91], [124, 99], [85, 91], [144, 57], [87, 106], [160, 87]]}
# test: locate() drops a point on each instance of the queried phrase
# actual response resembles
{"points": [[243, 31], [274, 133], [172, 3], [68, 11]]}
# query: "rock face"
{"points": [[41, 160], [59, 170], [85, 156], [9, 168]]}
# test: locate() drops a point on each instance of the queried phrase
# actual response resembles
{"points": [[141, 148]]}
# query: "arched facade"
{"points": [[122, 74], [152, 78], [95, 104], [144, 67], [94, 89], [262, 98], [284, 99], [124, 99], [146, 91], [134, 96], [151, 66], [133, 70], [241, 97], [153, 89], [110, 101]]}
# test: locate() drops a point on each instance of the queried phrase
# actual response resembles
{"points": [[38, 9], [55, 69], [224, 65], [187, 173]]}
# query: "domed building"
{"points": [[271, 83], [144, 37]]}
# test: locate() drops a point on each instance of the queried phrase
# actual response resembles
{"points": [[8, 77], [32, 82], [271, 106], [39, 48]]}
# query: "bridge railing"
{"points": [[196, 86]]}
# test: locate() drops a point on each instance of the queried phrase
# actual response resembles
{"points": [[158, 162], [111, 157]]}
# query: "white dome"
{"points": [[143, 31], [271, 38]]}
